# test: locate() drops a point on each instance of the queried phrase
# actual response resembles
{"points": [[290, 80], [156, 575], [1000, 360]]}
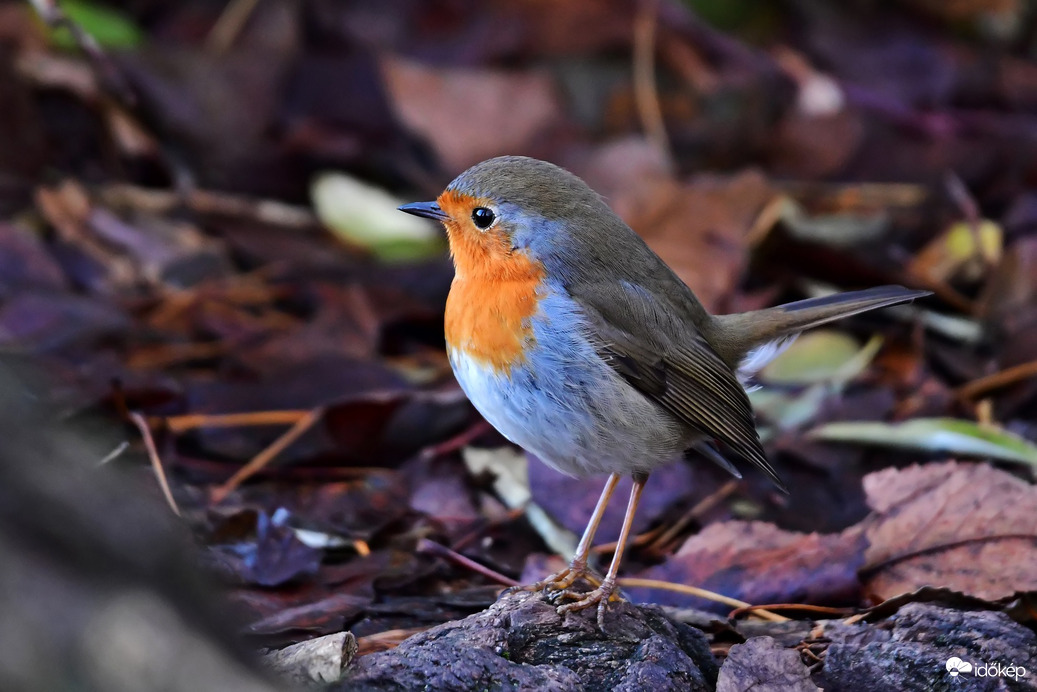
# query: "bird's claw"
{"points": [[600, 596], [557, 587], [558, 582]]}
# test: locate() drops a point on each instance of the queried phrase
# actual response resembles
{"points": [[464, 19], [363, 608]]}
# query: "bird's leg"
{"points": [[560, 581], [603, 593]]}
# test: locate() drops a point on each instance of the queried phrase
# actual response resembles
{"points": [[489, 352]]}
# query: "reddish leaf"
{"points": [[967, 527], [760, 563]]}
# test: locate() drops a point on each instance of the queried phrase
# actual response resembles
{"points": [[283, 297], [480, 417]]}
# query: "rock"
{"points": [[914, 654], [520, 643], [314, 662]]}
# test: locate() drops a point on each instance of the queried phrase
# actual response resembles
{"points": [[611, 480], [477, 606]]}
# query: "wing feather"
{"points": [[675, 367]]}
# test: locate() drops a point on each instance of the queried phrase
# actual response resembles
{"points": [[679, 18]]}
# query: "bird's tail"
{"points": [[736, 337]]}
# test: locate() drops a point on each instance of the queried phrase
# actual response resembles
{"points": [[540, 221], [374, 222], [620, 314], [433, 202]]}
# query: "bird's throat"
{"points": [[488, 315]]}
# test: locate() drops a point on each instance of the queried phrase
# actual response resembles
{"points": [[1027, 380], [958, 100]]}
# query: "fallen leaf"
{"points": [[326, 615], [950, 435], [820, 355], [759, 563], [761, 664], [471, 114], [700, 228], [357, 509], [966, 527], [172, 253], [785, 410], [1008, 299], [844, 229], [25, 261], [367, 216], [821, 145], [440, 490], [37, 321], [110, 28], [272, 556], [960, 252]]}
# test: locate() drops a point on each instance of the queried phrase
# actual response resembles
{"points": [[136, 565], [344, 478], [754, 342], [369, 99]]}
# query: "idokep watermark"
{"points": [[957, 667]]}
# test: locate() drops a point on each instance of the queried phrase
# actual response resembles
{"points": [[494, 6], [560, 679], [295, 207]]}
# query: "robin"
{"points": [[578, 343]]}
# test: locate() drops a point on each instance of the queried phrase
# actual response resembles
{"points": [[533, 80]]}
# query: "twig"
{"points": [[52, 15], [997, 380], [700, 508], [656, 538], [433, 548], [190, 421], [960, 194], [457, 442], [230, 23], [638, 541], [700, 593], [824, 610], [268, 454], [968, 207], [944, 291], [646, 94], [168, 354], [985, 413], [156, 463], [482, 526], [115, 453], [210, 202], [717, 47]]}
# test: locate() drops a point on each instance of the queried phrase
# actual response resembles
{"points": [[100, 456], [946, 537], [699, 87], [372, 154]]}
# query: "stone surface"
{"points": [[913, 654], [520, 643]]}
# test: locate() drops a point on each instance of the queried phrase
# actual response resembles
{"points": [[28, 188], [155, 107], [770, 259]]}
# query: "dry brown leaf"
{"points": [[968, 527], [700, 228], [1010, 296], [760, 563], [471, 114], [816, 146]]}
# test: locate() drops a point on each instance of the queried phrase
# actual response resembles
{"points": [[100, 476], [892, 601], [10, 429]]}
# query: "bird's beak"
{"points": [[430, 210]]}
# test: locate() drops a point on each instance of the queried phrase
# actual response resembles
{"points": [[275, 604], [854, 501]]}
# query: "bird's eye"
{"points": [[482, 217]]}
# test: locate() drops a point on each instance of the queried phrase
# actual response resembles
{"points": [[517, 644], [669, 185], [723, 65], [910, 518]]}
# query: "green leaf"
{"points": [[787, 410], [823, 355], [949, 435], [109, 27], [364, 215]]}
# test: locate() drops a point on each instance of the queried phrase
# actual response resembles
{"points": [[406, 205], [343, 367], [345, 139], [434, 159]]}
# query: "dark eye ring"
{"points": [[483, 218]]}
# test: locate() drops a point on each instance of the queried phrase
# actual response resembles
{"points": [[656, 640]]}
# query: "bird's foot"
{"points": [[600, 596], [559, 582]]}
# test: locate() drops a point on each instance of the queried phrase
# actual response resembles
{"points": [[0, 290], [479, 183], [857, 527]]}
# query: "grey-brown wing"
{"points": [[679, 371]]}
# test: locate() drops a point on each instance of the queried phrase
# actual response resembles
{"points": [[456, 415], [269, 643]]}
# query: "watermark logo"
{"points": [[957, 667]]}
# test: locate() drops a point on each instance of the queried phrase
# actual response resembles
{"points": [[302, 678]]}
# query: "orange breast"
{"points": [[493, 295]]}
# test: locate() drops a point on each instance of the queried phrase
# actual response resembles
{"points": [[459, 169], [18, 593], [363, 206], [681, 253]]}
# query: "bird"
{"points": [[578, 343]]}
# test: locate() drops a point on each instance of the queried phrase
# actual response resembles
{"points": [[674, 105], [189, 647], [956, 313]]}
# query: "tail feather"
{"points": [[735, 336]]}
